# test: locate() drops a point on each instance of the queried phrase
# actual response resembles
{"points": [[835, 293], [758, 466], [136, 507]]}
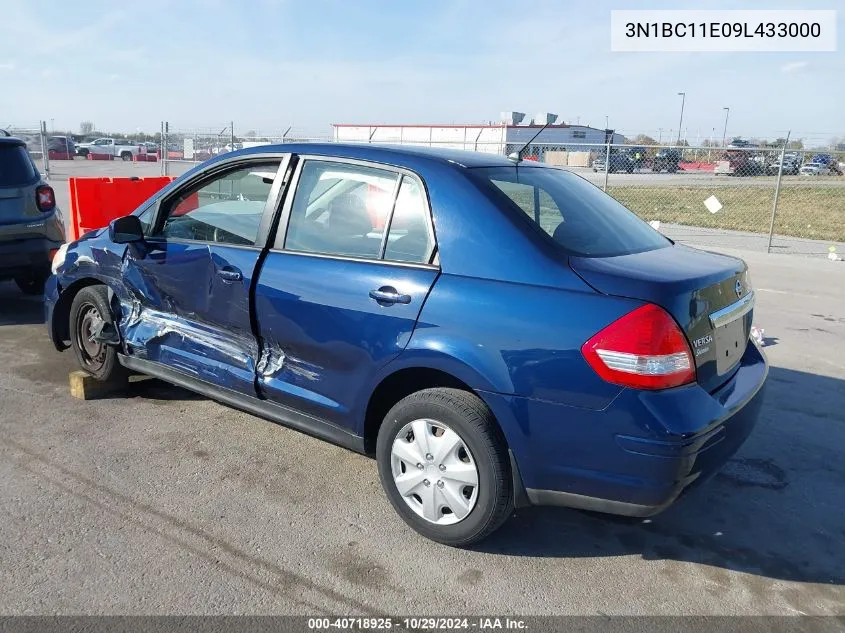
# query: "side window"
{"points": [[340, 209], [225, 210], [540, 208], [409, 238]]}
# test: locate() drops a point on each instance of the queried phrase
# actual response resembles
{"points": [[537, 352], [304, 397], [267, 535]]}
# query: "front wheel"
{"points": [[444, 465], [90, 320]]}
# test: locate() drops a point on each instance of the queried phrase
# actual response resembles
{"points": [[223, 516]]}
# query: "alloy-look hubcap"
{"points": [[434, 471]]}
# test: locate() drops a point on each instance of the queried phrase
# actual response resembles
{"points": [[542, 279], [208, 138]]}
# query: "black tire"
{"points": [[469, 417], [32, 286], [126, 156], [83, 153], [98, 359]]}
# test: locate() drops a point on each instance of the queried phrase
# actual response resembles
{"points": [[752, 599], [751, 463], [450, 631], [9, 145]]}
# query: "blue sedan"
{"points": [[496, 333]]}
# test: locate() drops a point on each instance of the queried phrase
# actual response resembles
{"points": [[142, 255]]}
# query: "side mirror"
{"points": [[126, 229]]}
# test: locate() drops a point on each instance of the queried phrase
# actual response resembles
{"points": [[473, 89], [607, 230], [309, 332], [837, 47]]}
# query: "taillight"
{"points": [[645, 349], [45, 198]]}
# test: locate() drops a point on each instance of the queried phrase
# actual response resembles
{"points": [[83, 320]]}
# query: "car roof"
{"points": [[390, 154], [11, 140]]}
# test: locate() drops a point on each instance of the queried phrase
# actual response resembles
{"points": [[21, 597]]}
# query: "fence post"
{"points": [[161, 148], [165, 147], [777, 192], [232, 130], [45, 153], [606, 166]]}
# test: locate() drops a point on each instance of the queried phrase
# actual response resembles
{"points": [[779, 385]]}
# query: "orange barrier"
{"points": [[94, 202], [54, 154], [145, 158], [93, 156]]}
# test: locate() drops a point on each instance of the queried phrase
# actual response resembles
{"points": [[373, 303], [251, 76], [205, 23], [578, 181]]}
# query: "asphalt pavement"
{"points": [[158, 501]]}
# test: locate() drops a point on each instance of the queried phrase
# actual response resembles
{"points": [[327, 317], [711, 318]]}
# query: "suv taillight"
{"points": [[45, 198], [645, 349]]}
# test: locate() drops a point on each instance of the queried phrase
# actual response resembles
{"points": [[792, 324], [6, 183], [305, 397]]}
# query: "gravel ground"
{"points": [[161, 502]]}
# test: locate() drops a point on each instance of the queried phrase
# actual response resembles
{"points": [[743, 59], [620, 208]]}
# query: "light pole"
{"points": [[606, 122], [683, 96], [725, 131], [659, 135]]}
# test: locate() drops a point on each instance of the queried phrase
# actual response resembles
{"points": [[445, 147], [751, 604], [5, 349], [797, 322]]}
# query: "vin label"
{"points": [[723, 31]]}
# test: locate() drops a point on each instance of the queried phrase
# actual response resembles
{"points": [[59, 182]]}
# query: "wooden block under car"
{"points": [[84, 387]]}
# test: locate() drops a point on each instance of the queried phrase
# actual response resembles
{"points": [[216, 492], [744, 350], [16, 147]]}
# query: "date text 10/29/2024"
{"points": [[417, 624]]}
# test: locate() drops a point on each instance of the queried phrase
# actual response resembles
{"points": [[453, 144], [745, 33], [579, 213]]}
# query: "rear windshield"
{"points": [[15, 167], [576, 214]]}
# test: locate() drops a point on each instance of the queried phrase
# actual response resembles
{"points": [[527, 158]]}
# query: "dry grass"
{"points": [[808, 212]]}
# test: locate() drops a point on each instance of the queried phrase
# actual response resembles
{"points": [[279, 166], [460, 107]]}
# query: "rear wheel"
{"points": [[89, 317], [126, 156], [444, 466]]}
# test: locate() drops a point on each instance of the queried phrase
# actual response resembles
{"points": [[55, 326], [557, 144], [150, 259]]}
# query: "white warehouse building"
{"points": [[502, 137]]}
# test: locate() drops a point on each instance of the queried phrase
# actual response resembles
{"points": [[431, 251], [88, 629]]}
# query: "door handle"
{"points": [[387, 295], [230, 274]]}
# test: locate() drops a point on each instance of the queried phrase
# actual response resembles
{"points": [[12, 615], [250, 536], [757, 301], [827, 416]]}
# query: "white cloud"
{"points": [[7, 66], [794, 67]]}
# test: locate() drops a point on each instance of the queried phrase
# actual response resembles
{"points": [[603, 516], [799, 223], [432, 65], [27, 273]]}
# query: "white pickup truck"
{"points": [[109, 146]]}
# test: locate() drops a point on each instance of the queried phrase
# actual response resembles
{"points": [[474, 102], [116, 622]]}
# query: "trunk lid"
{"points": [[708, 294]]}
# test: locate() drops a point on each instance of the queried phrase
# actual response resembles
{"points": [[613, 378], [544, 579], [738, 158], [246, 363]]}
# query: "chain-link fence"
{"points": [[771, 199], [36, 139]]}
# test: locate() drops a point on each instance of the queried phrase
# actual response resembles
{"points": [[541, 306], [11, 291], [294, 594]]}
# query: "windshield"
{"points": [[574, 213]]}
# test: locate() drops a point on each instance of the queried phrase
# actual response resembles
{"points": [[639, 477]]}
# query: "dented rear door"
{"points": [[339, 295]]}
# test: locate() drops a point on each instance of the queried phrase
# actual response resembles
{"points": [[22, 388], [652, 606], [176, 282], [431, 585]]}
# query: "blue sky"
{"points": [[270, 64]]}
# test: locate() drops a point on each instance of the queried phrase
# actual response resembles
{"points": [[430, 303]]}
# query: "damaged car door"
{"points": [[190, 278], [343, 284]]}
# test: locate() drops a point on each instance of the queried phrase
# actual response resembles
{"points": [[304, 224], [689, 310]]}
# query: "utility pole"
{"points": [[725, 131], [683, 96]]}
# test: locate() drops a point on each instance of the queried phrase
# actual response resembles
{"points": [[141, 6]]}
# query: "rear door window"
{"points": [[409, 238], [581, 218], [16, 168], [340, 209]]}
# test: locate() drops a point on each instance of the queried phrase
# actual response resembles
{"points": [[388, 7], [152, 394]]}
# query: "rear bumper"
{"points": [[21, 257], [640, 453]]}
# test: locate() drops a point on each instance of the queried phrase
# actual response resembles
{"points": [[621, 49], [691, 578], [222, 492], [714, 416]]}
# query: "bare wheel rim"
{"points": [[89, 323], [434, 471]]}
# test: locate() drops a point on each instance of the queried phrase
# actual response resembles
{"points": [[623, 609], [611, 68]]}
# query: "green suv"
{"points": [[31, 227]]}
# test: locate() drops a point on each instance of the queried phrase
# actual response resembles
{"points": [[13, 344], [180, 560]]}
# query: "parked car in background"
{"points": [[148, 147], [829, 161], [108, 146], [618, 162], [740, 162], [816, 169], [61, 145], [791, 164], [599, 365], [667, 159], [31, 228], [639, 156]]}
